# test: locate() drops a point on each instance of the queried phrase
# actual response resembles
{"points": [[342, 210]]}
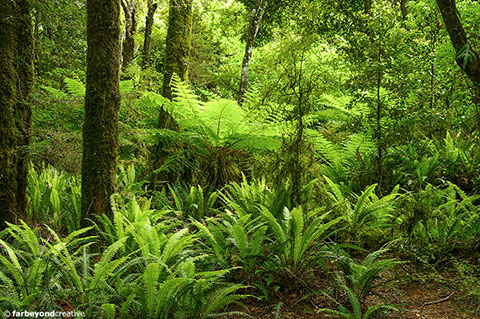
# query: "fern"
{"points": [[362, 213], [57, 94], [220, 299], [75, 87], [221, 122]]}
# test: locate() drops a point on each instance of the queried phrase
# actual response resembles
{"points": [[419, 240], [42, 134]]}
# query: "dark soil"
{"points": [[420, 295]]}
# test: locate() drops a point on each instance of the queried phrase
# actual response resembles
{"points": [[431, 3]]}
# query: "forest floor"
{"points": [[419, 295]]}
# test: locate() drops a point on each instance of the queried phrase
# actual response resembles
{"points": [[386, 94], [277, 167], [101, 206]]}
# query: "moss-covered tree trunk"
{"points": [[152, 7], [16, 86], [128, 47], [256, 17], [102, 100], [469, 61], [403, 9], [466, 57], [179, 43], [178, 47], [367, 6]]}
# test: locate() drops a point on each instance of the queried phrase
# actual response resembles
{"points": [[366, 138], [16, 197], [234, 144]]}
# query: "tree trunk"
{"points": [[16, 87], [178, 47], [128, 47], [367, 6], [470, 65], [403, 9], [102, 100], [179, 43], [152, 7], [253, 26]]}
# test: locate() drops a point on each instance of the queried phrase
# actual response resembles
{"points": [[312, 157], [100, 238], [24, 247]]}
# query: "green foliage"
{"points": [[36, 273], [236, 239], [444, 220], [195, 202], [347, 163], [75, 87], [221, 122], [363, 214], [373, 102], [358, 280], [246, 197], [55, 197], [355, 310], [299, 238]]}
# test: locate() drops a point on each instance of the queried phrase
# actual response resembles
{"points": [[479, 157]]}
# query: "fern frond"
{"points": [[75, 87]]}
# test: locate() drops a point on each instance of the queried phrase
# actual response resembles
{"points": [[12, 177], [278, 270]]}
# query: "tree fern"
{"points": [[222, 122]]}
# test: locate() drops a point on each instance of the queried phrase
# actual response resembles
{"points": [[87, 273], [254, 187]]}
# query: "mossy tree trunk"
{"points": [[179, 43], [403, 9], [469, 60], [128, 47], [16, 86], [102, 100], [367, 6], [152, 7], [178, 47], [256, 17], [466, 57]]}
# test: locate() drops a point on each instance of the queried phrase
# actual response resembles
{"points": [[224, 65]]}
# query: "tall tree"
{"points": [[178, 47], [466, 58], [152, 7], [128, 47], [102, 100], [367, 6], [256, 17], [179, 42], [16, 86], [403, 9]]}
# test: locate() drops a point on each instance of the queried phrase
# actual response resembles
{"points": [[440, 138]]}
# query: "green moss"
{"points": [[16, 85], [102, 101], [179, 43]]}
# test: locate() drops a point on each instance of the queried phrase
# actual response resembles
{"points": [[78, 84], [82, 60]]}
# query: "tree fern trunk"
{"points": [[102, 100], [16, 86]]}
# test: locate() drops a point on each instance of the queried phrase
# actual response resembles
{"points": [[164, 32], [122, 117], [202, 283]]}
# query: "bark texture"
{"points": [[367, 6], [102, 100], [256, 17], [459, 40], [128, 47], [179, 43], [152, 7], [177, 56], [403, 9], [16, 86]]}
